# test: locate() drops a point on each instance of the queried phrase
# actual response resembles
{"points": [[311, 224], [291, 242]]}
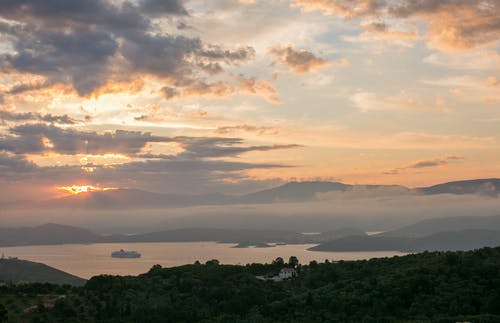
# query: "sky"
{"points": [[234, 96]]}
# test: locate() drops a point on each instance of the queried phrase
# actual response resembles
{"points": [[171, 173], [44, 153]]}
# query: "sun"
{"points": [[78, 189]]}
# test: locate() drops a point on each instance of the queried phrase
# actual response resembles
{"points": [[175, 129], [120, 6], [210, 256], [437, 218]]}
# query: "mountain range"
{"points": [[289, 193], [51, 233], [450, 233], [442, 241]]}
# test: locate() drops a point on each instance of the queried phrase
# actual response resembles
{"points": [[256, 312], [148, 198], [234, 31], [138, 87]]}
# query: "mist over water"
{"points": [[381, 212]]}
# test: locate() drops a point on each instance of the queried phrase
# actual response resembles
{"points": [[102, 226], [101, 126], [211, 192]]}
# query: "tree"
{"points": [[155, 269], [4, 314], [293, 261], [213, 262], [278, 262]]}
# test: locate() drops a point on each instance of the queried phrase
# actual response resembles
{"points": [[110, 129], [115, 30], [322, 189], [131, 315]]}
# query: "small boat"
{"points": [[125, 254]]}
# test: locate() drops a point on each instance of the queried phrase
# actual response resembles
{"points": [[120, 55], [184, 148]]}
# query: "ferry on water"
{"points": [[125, 254]]}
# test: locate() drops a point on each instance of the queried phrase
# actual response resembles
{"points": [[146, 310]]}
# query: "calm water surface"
{"points": [[87, 260]]}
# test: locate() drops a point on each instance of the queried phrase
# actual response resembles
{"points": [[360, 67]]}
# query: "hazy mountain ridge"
{"points": [[433, 226], [290, 192], [60, 234], [13, 270], [442, 241], [487, 186], [49, 233], [450, 233]]}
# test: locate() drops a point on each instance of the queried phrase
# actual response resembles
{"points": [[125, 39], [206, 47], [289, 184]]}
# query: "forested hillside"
{"points": [[426, 287]]}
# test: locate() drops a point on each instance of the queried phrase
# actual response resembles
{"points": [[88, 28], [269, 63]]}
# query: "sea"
{"points": [[87, 260]]}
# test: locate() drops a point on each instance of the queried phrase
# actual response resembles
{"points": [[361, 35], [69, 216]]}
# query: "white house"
{"points": [[287, 273]]}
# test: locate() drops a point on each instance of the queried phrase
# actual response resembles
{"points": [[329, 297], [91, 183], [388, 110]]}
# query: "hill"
{"points": [[442, 241], [46, 234], [13, 270], [487, 186], [427, 287], [51, 233], [457, 223]]}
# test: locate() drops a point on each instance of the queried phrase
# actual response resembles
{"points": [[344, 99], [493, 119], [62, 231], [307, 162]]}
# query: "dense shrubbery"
{"points": [[436, 287]]}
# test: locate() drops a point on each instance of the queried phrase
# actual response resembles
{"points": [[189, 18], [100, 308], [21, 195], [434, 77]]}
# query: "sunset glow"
{"points": [[135, 133], [78, 189], [193, 98]]}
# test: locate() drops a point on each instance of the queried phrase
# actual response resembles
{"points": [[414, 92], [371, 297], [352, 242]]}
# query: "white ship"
{"points": [[125, 254]]}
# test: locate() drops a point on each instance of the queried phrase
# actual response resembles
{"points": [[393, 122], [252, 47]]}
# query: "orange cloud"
{"points": [[452, 26], [221, 89], [126, 86], [342, 8], [301, 61], [381, 31], [425, 164], [78, 189]]}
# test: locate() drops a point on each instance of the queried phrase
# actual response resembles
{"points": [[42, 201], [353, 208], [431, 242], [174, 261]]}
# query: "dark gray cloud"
{"points": [[13, 164], [161, 7], [79, 58], [88, 43], [200, 166], [41, 138], [26, 87], [35, 116], [198, 169], [222, 147], [75, 14]]}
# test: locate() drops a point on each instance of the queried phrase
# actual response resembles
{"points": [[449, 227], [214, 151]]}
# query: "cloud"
{"points": [[42, 138], [343, 8], [120, 158], [189, 176], [197, 164], [222, 147], [299, 61], [479, 59], [259, 130], [382, 31], [369, 101], [425, 164], [12, 164], [94, 43], [470, 88], [451, 25], [161, 7], [433, 162], [26, 87], [440, 141], [466, 81], [35, 116], [218, 89], [454, 25]]}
